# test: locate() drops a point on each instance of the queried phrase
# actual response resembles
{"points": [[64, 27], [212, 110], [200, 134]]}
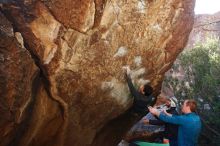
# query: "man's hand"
{"points": [[126, 70], [154, 111]]}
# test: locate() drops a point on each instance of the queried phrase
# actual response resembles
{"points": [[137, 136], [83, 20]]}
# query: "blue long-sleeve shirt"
{"points": [[189, 127]]}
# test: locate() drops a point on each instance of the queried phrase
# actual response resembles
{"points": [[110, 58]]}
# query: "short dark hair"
{"points": [[192, 104], [148, 90]]}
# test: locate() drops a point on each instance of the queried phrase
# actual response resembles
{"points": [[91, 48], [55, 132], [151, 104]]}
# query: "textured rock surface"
{"points": [[80, 47], [24, 103], [17, 74]]}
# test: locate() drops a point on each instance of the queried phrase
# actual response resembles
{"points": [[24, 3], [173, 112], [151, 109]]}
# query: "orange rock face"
{"points": [[17, 77], [80, 48]]}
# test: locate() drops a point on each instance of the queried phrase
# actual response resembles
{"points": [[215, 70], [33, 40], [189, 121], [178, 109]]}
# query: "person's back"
{"points": [[140, 104], [189, 130]]}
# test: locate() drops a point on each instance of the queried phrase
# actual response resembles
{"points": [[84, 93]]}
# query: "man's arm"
{"points": [[132, 89], [179, 120]]}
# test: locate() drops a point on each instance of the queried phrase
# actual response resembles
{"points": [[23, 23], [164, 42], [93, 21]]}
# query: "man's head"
{"points": [[146, 90], [189, 106]]}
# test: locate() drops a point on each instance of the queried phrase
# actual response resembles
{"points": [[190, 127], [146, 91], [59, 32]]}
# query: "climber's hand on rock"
{"points": [[126, 70]]}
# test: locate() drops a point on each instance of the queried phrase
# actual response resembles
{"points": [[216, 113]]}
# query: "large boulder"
{"points": [[80, 48]]}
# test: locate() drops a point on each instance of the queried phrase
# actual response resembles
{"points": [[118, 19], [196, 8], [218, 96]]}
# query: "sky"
{"points": [[207, 6]]}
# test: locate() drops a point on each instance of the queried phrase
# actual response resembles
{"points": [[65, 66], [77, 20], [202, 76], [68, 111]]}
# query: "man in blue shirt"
{"points": [[189, 123]]}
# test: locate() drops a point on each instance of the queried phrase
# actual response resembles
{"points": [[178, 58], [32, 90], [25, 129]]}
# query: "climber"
{"points": [[171, 130], [142, 98], [189, 123]]}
